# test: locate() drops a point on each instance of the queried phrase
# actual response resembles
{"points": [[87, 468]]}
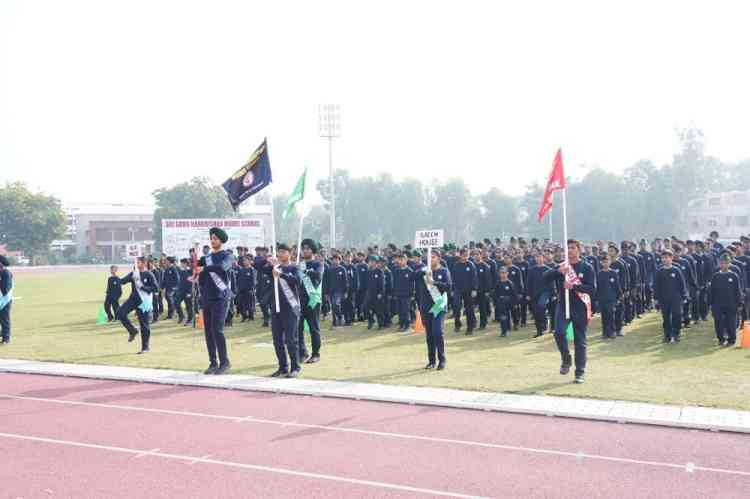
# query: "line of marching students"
{"points": [[474, 285]]}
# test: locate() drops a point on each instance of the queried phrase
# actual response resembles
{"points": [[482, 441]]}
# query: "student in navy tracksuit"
{"points": [[148, 286], [114, 292], [216, 295], [184, 293], [539, 293], [433, 319], [671, 293], [350, 300], [6, 287], [578, 309], [284, 322], [374, 293], [465, 285], [505, 296], [608, 293], [170, 283], [726, 299], [403, 289], [246, 282], [485, 288], [337, 278]]}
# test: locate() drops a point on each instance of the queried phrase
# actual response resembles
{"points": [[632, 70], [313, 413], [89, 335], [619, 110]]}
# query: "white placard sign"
{"points": [[179, 235], [134, 250], [428, 239]]}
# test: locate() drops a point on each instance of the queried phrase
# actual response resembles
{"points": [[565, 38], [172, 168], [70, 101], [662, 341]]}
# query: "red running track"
{"points": [[67, 437]]}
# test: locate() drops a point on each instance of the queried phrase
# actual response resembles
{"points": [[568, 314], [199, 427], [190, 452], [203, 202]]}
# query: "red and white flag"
{"points": [[555, 182]]}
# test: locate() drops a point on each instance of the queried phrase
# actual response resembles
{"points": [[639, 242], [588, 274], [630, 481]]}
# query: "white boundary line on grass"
{"points": [[578, 456], [233, 464]]}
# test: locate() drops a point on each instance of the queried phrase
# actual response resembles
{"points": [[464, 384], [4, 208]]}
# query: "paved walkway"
{"points": [[601, 410]]}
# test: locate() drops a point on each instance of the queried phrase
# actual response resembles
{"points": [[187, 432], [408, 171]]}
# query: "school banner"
{"points": [[179, 235]]}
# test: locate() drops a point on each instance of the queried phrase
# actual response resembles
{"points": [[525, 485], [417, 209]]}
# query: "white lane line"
{"points": [[147, 453], [578, 456], [233, 464]]}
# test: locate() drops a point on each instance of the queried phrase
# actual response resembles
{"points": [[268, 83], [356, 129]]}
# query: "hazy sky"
{"points": [[103, 100]]}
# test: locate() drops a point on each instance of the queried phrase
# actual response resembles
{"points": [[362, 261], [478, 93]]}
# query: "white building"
{"points": [[727, 213], [104, 230]]}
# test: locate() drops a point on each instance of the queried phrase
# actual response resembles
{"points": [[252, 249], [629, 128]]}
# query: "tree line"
{"points": [[645, 200]]}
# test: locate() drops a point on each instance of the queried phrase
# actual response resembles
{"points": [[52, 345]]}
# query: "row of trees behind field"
{"points": [[646, 200]]}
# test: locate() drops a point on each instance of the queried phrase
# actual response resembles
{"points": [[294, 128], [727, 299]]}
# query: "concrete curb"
{"points": [[599, 410]]}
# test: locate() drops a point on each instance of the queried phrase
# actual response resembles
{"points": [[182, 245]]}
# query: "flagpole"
{"points": [[550, 223], [299, 235], [565, 249], [273, 249]]}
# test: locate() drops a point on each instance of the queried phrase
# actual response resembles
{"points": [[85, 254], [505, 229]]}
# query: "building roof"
{"points": [[109, 209]]}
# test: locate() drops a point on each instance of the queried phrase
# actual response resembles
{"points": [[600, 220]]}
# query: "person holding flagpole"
{"points": [[576, 277], [285, 313], [573, 312], [432, 284]]}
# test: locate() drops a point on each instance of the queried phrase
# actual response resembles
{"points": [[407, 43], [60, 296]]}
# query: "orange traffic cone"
{"points": [[744, 340], [199, 321], [418, 326]]}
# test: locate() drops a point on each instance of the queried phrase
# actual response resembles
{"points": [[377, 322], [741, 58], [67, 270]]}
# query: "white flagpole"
{"points": [[565, 249], [273, 249], [301, 221]]}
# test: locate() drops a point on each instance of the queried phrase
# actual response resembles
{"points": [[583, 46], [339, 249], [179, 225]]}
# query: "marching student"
{"points": [[284, 322], [485, 288], [184, 294], [338, 284], [6, 299], [170, 283], [403, 289], [311, 275], [246, 282], [726, 300], [538, 293], [505, 296], [144, 287], [465, 285], [432, 285], [608, 293], [216, 296], [584, 288], [375, 293], [113, 294], [671, 293]]}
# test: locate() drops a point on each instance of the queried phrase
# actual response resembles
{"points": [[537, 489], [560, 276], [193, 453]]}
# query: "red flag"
{"points": [[556, 182]]}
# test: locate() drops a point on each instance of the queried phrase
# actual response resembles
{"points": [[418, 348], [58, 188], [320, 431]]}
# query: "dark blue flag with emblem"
{"points": [[252, 178]]}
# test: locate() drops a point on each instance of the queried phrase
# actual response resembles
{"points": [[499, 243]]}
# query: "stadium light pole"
{"points": [[329, 119]]}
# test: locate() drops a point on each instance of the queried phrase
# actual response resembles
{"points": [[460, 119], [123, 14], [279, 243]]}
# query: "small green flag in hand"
{"points": [[297, 195], [569, 331], [102, 317], [305, 326]]}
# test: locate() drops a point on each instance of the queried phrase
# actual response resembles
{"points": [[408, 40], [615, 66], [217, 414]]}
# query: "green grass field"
{"points": [[54, 320]]}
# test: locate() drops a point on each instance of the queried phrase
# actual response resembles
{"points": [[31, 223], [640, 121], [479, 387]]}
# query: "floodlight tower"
{"points": [[329, 119]]}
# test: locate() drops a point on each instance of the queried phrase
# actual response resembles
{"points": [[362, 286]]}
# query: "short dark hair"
{"points": [[575, 242]]}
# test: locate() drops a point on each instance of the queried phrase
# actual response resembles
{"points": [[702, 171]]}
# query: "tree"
{"points": [[198, 198], [500, 215], [29, 222]]}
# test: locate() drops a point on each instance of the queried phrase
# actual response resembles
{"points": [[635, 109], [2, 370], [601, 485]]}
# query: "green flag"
{"points": [[102, 318], [569, 332], [298, 194]]}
